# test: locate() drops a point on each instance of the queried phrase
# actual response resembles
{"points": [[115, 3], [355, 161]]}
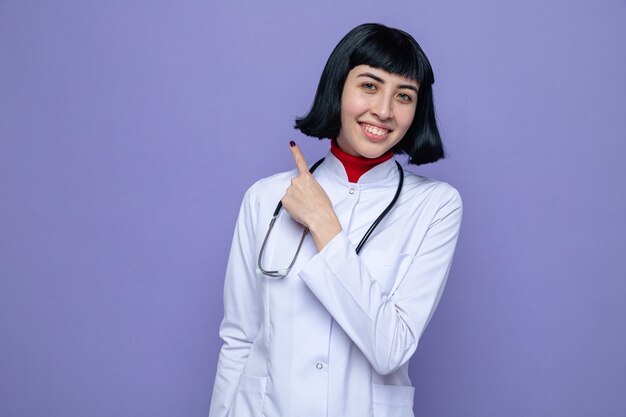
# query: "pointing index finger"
{"points": [[303, 168]]}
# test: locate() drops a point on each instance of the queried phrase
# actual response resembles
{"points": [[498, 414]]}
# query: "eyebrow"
{"points": [[380, 80]]}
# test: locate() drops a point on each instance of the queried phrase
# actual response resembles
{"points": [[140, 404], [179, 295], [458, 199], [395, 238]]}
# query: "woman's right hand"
{"points": [[307, 202]]}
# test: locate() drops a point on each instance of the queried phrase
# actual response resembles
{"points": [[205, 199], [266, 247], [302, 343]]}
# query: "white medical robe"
{"points": [[334, 337]]}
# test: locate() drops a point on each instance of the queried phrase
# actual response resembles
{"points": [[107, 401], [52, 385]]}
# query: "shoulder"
{"points": [[434, 191], [270, 188]]}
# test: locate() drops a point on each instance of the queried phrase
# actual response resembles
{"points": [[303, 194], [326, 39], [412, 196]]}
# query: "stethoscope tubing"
{"points": [[280, 273]]}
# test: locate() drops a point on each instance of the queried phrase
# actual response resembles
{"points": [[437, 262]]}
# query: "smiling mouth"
{"points": [[374, 132]]}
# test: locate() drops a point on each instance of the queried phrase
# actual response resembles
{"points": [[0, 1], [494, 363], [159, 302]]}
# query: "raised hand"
{"points": [[307, 202]]}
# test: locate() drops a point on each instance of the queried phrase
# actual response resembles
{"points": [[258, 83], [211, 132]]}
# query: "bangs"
{"points": [[395, 54]]}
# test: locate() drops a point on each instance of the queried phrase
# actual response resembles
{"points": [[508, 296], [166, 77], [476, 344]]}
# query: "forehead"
{"points": [[365, 71]]}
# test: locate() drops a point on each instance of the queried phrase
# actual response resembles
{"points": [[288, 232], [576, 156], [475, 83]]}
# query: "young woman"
{"points": [[324, 307]]}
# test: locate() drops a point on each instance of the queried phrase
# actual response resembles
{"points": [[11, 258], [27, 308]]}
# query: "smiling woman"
{"points": [[377, 109], [327, 326]]}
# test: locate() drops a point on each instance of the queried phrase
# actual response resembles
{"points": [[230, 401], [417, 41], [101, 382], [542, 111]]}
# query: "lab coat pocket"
{"points": [[385, 267], [249, 397], [393, 400]]}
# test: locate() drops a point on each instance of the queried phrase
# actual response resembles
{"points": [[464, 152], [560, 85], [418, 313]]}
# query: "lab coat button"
{"points": [[351, 191], [319, 366]]}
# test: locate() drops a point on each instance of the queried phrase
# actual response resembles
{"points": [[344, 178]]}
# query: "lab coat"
{"points": [[334, 337]]}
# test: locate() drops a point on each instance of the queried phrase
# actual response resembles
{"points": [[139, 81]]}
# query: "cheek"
{"points": [[352, 107], [405, 118]]}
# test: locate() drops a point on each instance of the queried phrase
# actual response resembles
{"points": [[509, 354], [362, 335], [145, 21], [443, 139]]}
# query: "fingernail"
{"points": [[292, 143]]}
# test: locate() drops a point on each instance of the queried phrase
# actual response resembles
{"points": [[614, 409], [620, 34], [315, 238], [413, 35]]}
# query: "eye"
{"points": [[368, 86], [407, 98]]}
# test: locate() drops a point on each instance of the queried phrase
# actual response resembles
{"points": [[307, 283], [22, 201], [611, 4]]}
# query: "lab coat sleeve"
{"points": [[386, 327], [241, 322]]}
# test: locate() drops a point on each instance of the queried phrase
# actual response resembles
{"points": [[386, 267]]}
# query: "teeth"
{"points": [[375, 130]]}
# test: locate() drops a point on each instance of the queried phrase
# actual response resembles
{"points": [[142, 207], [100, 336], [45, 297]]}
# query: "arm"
{"points": [[241, 322], [386, 327]]}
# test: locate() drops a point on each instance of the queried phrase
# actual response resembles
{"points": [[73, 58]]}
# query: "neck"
{"points": [[356, 166]]}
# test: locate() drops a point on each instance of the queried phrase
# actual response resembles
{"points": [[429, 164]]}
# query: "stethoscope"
{"points": [[280, 273]]}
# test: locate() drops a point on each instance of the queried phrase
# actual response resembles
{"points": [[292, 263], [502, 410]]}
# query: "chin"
{"points": [[372, 151]]}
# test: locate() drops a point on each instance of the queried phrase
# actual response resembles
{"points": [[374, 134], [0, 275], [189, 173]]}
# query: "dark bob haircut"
{"points": [[396, 52]]}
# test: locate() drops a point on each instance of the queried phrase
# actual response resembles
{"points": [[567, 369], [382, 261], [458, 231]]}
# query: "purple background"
{"points": [[129, 131]]}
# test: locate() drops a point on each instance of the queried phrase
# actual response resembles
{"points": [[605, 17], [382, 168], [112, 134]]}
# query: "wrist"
{"points": [[324, 228]]}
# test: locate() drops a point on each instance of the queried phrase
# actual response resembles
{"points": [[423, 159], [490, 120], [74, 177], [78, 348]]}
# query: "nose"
{"points": [[382, 107]]}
